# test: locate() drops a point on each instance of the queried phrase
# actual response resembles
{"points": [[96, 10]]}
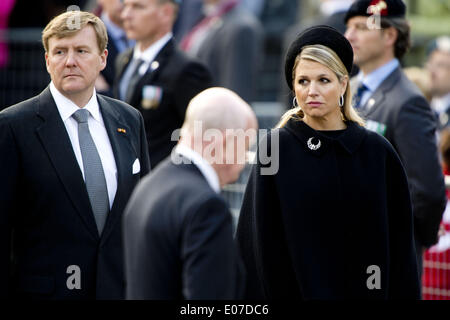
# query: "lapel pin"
{"points": [[154, 65], [371, 102], [121, 130]]}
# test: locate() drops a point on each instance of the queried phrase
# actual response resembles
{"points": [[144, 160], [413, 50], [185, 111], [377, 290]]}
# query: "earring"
{"points": [[341, 101], [295, 102]]}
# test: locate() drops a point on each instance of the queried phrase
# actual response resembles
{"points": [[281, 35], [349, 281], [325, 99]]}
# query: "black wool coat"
{"points": [[317, 227]]}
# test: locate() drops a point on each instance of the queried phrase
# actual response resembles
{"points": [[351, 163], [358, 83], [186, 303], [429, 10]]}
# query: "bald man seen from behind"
{"points": [[178, 231]]}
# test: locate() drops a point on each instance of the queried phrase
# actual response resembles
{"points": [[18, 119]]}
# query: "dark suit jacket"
{"points": [[232, 50], [180, 79], [110, 70], [45, 213], [178, 239], [399, 111]]}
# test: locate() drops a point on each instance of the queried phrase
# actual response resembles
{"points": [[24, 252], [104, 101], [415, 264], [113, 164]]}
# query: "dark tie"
{"points": [[358, 95], [134, 78], [93, 170]]}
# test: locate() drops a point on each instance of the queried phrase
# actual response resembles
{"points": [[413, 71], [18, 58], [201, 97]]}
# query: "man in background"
{"points": [[156, 77], [395, 108], [178, 230], [438, 65], [117, 42], [229, 40]]}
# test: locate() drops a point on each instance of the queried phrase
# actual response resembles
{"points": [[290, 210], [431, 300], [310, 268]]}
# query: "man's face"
{"points": [[439, 67], [113, 9], [142, 19], [75, 62], [368, 44]]}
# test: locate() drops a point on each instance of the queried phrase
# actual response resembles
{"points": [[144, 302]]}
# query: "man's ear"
{"points": [[46, 62], [168, 11], [103, 58]]}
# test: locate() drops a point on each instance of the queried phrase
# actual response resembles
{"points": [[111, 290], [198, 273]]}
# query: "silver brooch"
{"points": [[313, 146]]}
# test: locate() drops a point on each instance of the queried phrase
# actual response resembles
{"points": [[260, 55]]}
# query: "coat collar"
{"points": [[350, 139]]}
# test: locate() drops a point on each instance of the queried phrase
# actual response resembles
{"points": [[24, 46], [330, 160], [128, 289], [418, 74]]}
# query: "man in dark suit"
{"points": [[395, 108], [229, 41], [156, 77], [70, 160], [177, 228], [110, 11]]}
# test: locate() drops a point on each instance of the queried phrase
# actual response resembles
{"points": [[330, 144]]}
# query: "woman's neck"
{"points": [[324, 124]]}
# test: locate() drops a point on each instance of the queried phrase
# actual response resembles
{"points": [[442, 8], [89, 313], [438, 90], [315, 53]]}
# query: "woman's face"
{"points": [[318, 90]]}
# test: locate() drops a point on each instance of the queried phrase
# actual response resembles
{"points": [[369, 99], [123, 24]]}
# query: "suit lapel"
{"points": [[378, 96], [56, 141], [124, 155]]}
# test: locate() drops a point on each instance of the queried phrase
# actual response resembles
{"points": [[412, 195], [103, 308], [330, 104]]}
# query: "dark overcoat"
{"points": [[329, 221], [178, 239]]}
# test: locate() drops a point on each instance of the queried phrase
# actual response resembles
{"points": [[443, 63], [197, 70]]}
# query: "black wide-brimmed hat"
{"points": [[324, 35], [384, 8]]}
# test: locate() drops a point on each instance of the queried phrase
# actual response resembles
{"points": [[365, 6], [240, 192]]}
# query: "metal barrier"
{"points": [[25, 74]]}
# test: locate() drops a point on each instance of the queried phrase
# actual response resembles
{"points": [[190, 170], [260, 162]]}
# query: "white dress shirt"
{"points": [[205, 168], [441, 104], [98, 132]]}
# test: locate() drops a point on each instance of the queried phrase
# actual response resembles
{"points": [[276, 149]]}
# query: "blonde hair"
{"points": [[69, 23], [421, 78], [331, 60]]}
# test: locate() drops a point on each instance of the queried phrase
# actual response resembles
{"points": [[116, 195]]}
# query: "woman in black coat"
{"points": [[335, 220]]}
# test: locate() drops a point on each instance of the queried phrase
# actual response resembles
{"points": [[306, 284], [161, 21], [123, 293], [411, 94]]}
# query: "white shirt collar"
{"points": [[149, 54], [67, 108], [373, 80], [441, 104], [205, 168]]}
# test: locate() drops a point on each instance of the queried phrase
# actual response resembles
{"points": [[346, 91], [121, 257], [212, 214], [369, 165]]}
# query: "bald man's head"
{"points": [[219, 108], [220, 126]]}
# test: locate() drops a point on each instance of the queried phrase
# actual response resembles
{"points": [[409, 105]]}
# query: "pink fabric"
{"points": [[436, 262], [6, 7]]}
